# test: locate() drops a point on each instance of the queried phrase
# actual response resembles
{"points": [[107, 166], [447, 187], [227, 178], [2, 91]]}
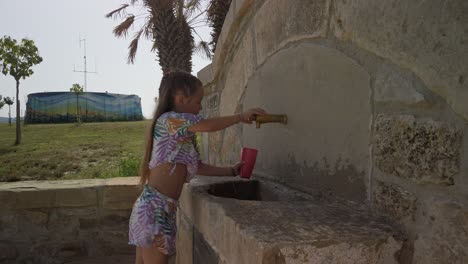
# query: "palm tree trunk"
{"points": [[172, 37], [18, 120]]}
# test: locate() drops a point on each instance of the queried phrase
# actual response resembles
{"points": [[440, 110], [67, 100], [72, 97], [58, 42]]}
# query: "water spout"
{"points": [[262, 119]]}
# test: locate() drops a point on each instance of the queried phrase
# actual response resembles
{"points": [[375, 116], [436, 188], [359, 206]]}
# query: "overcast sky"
{"points": [[56, 27]]}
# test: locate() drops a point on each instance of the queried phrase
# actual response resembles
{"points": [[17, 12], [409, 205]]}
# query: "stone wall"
{"points": [[377, 101], [63, 221]]}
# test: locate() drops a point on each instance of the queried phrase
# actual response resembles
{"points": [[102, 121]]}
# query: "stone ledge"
{"points": [[243, 231], [69, 193]]}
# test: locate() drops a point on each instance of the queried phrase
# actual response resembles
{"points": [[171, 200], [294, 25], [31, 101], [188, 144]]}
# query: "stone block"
{"points": [[214, 146], [29, 199], [202, 251], [397, 86], [421, 150], [7, 251], [8, 199], [394, 201], [184, 239], [241, 6], [119, 197], [242, 67], [222, 46], [9, 226], [231, 146], [211, 102], [358, 253], [443, 236], [281, 21], [428, 37], [206, 74], [79, 197]]}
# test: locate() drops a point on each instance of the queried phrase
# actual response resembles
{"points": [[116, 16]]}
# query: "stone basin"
{"points": [[227, 220], [254, 190]]}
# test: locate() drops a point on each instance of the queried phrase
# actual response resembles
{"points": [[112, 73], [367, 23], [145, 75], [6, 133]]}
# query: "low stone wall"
{"points": [[61, 221]]}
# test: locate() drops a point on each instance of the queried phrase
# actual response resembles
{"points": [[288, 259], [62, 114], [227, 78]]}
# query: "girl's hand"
{"points": [[248, 116], [236, 169]]}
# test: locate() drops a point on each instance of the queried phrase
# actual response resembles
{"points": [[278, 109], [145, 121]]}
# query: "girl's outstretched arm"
{"points": [[219, 123], [209, 170]]}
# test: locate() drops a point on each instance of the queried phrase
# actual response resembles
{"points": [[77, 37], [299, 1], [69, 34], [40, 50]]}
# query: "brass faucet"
{"points": [[262, 119]]}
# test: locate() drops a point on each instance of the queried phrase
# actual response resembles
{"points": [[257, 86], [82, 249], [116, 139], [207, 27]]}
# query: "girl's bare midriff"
{"points": [[167, 183]]}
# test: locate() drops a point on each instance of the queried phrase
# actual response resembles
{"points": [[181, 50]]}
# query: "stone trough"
{"points": [[239, 221]]}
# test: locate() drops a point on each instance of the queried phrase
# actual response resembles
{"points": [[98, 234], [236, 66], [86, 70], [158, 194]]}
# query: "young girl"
{"points": [[172, 158]]}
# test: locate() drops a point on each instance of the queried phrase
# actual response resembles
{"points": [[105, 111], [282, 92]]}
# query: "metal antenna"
{"points": [[85, 71]]}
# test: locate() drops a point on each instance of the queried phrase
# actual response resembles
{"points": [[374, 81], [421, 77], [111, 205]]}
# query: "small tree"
{"points": [[16, 60], [9, 102], [77, 90]]}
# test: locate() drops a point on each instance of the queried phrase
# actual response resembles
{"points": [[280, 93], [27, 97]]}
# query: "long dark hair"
{"points": [[171, 83]]}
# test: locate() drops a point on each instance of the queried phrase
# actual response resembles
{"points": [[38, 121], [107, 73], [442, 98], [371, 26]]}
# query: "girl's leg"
{"points": [[152, 255], [139, 256]]}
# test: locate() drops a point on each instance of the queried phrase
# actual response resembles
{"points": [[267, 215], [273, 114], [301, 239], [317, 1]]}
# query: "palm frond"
{"points": [[203, 49], [191, 19], [216, 13], [132, 48], [122, 28], [193, 7], [119, 12], [148, 33]]}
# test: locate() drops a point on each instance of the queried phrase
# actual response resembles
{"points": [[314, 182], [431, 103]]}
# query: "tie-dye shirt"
{"points": [[173, 143]]}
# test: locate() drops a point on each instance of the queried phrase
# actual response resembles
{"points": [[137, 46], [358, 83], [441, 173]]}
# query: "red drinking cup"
{"points": [[249, 156]]}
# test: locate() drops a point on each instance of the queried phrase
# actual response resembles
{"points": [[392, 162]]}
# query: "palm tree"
{"points": [[217, 11], [170, 25]]}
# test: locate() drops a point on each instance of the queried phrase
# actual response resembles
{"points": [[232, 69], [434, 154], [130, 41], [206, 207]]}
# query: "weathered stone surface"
{"points": [[7, 251], [202, 251], [394, 201], [242, 67], [397, 86], [214, 147], [52, 222], [328, 119], [243, 231], [35, 199], [8, 199], [282, 21], [443, 236], [184, 239], [426, 36], [223, 45], [340, 253], [241, 6], [231, 146], [422, 150], [210, 103], [116, 259], [8, 225], [119, 197], [76, 197], [206, 74]]}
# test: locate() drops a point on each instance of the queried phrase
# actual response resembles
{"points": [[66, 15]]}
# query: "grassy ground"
{"points": [[70, 151]]}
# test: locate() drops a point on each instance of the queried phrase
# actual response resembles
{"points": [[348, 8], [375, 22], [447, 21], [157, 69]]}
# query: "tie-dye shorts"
{"points": [[153, 221]]}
